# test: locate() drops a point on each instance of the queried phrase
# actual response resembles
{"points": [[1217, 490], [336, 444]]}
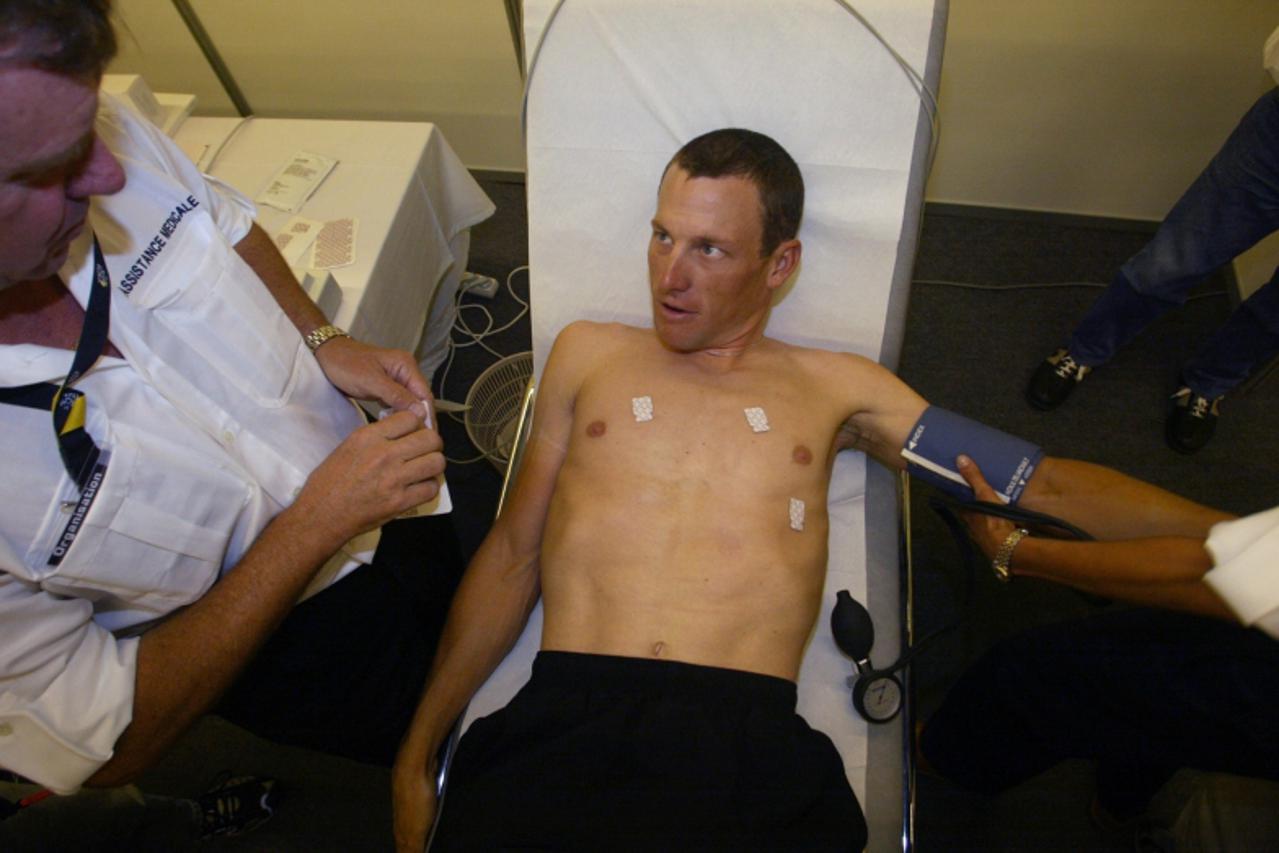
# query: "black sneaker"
{"points": [[237, 805], [1191, 422], [1054, 379]]}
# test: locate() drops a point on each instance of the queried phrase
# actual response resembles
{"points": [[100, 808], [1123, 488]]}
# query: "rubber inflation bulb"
{"points": [[851, 627]]}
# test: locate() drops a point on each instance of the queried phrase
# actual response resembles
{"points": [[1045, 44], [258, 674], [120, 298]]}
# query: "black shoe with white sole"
{"points": [[1054, 379], [1191, 422]]}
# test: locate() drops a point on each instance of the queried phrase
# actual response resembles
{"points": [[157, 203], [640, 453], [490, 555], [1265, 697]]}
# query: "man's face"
{"points": [[709, 284], [50, 164]]}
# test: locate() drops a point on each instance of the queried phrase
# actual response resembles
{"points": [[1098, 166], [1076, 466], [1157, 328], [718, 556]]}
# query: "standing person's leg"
{"points": [[1231, 205], [1248, 340], [1142, 692]]}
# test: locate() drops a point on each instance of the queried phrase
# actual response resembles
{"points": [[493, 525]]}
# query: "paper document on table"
{"points": [[296, 237], [335, 244], [297, 179]]}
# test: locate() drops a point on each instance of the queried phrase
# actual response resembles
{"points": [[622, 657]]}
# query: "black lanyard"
{"points": [[80, 455]]}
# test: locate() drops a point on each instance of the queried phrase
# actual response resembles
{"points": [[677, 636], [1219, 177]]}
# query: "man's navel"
{"points": [[658, 648]]}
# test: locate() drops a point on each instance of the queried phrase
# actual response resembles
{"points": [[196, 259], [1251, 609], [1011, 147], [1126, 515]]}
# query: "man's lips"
{"points": [[676, 311]]}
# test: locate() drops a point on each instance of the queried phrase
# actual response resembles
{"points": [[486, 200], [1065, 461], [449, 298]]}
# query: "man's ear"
{"points": [[783, 263]]}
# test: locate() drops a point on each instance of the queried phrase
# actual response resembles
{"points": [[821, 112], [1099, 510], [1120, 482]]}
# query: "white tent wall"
{"points": [[1090, 107], [1093, 107], [451, 62]]}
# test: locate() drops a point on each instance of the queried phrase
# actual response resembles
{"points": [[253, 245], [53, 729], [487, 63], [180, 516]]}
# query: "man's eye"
{"points": [[711, 251], [661, 237]]}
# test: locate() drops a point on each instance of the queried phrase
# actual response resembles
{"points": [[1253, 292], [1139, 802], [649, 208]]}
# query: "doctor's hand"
{"points": [[988, 531], [413, 801], [379, 472], [366, 372]]}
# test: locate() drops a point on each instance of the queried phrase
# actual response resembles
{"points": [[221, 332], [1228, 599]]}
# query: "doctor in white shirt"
{"points": [[182, 462]]}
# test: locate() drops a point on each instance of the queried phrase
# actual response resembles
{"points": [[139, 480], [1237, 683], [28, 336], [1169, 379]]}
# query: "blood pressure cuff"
{"points": [[1007, 462]]}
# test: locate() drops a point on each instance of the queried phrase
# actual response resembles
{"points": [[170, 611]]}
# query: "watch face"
{"points": [[879, 698]]}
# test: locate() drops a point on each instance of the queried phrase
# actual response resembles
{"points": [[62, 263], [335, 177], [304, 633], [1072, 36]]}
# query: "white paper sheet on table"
{"points": [[413, 197], [296, 181]]}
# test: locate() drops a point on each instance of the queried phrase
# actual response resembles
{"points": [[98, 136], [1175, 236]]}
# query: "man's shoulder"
{"points": [[584, 344], [591, 330], [852, 382], [587, 338], [824, 360]]}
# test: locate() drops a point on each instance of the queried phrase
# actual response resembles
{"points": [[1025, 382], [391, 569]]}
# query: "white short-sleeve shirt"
{"points": [[210, 423], [1245, 573]]}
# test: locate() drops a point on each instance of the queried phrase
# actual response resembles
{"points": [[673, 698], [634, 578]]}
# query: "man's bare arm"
{"points": [[1156, 571], [186, 662], [357, 369], [495, 596], [1111, 505], [883, 410], [1106, 503]]}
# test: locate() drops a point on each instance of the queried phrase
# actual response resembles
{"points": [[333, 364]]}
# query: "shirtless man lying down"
{"points": [[671, 511]]}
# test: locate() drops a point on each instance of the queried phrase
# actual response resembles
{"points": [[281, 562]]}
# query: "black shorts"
{"points": [[603, 753]]}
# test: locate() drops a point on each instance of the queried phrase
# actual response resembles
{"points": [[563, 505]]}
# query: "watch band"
{"points": [[1004, 556], [319, 335]]}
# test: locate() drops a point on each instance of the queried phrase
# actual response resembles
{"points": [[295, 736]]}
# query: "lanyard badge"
{"points": [[80, 455], [83, 460]]}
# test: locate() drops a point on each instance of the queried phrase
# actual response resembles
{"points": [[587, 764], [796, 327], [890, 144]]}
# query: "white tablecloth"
{"points": [[414, 201]]}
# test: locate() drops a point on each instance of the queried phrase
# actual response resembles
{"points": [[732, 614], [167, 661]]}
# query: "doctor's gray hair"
{"points": [[72, 37], [735, 152]]}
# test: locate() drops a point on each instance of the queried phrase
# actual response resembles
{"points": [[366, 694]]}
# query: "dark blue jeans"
{"points": [[1232, 205], [1141, 692]]}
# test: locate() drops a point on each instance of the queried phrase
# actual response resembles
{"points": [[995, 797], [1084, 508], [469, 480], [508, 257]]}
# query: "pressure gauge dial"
{"points": [[878, 698]]}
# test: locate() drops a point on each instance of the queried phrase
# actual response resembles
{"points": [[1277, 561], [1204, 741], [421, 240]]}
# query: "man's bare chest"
{"points": [[752, 428]]}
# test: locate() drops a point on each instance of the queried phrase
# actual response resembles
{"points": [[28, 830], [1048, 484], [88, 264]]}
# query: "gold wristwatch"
{"points": [[1004, 556], [321, 334]]}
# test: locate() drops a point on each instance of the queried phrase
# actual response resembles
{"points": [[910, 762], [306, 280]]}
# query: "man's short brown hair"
{"points": [[72, 37], [734, 152]]}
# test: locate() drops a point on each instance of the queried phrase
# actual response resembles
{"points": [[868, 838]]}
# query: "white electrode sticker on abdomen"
{"points": [[796, 514], [642, 408]]}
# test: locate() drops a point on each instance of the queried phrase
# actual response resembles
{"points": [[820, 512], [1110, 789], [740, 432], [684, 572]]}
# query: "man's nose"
{"points": [[101, 174], [674, 276]]}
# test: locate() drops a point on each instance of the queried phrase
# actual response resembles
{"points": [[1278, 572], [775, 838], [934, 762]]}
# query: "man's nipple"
{"points": [[596, 429], [801, 455]]}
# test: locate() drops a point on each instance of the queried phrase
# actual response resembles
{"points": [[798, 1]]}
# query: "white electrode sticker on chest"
{"points": [[756, 417], [796, 514], [642, 408]]}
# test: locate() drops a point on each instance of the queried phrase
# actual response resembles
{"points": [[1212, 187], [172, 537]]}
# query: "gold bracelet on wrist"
{"points": [[321, 334], [1004, 556]]}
